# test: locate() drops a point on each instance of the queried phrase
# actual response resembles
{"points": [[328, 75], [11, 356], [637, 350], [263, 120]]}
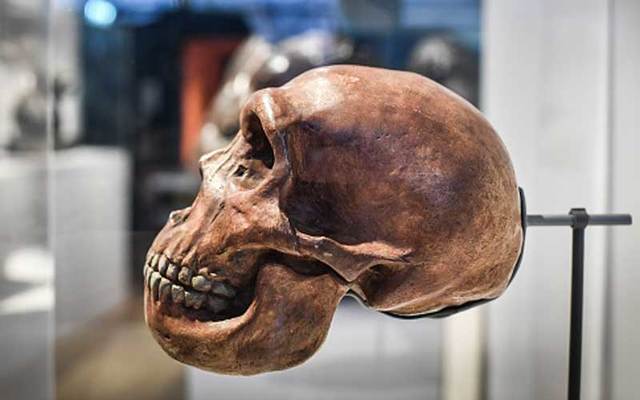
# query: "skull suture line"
{"points": [[348, 179]]}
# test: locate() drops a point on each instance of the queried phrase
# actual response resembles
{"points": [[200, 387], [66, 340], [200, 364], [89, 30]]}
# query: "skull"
{"points": [[347, 180]]}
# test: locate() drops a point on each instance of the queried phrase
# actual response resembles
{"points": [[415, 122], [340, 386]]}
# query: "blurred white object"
{"points": [[90, 213], [31, 265]]}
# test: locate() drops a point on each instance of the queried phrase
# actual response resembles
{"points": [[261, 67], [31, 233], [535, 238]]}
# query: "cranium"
{"points": [[346, 180]]}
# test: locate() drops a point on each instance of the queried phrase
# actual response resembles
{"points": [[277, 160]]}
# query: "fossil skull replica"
{"points": [[347, 180]]}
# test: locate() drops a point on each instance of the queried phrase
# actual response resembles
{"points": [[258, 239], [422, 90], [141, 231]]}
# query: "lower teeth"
{"points": [[177, 294], [163, 289], [216, 304]]}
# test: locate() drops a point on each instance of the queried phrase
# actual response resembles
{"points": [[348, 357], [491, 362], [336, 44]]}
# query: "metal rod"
{"points": [[578, 220], [569, 220], [577, 296]]}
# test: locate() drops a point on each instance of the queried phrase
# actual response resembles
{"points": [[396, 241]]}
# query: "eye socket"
{"points": [[260, 147], [240, 170]]}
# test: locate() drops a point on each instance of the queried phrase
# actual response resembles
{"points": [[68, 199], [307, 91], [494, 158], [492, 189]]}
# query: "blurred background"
{"points": [[106, 106]]}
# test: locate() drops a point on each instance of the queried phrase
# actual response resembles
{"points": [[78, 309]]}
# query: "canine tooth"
{"points": [[163, 263], [216, 304], [147, 259], [201, 283], [172, 272], [222, 289], [164, 290], [194, 299], [155, 283], [154, 261], [185, 276], [177, 294]]}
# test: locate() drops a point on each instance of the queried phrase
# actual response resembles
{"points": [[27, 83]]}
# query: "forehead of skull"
{"points": [[208, 157]]}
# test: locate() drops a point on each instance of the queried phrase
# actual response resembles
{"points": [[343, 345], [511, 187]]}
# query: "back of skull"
{"points": [[406, 179]]}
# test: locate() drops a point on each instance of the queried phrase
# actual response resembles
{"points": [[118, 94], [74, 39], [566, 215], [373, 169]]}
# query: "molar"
{"points": [[204, 271], [185, 276], [177, 294], [222, 289], [216, 304], [201, 283], [194, 299]]}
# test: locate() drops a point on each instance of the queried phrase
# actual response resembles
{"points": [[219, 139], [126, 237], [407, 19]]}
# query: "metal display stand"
{"points": [[578, 220]]}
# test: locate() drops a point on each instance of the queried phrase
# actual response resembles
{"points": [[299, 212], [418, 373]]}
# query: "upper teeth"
{"points": [[201, 283], [165, 281], [185, 275], [163, 263], [172, 272]]}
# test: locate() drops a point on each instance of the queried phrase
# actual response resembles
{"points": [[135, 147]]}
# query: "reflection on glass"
{"points": [[107, 106]]}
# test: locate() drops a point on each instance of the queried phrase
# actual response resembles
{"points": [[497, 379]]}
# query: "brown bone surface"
{"points": [[377, 183]]}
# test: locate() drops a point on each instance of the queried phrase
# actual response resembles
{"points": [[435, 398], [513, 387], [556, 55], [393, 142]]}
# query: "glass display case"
{"points": [[107, 106]]}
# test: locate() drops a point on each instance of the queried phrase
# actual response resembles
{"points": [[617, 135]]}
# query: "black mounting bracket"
{"points": [[578, 219]]}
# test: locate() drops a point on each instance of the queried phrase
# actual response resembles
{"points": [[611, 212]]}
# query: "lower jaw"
{"points": [[285, 323], [175, 322]]}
